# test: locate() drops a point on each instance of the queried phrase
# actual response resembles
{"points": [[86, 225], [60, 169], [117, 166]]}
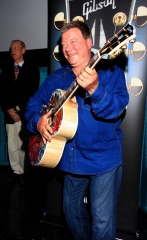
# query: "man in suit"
{"points": [[19, 81]]}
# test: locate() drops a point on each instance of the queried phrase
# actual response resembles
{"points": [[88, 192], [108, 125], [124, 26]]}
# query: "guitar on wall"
{"points": [[64, 119]]}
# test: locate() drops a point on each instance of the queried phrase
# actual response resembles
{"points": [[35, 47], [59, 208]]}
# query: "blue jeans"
{"points": [[95, 220]]}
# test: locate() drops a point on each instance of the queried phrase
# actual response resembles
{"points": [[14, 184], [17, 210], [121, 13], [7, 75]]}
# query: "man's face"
{"points": [[17, 51], [75, 48]]}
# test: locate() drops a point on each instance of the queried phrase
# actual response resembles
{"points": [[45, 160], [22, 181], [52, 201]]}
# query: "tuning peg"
{"points": [[140, 17], [133, 40], [59, 20], [115, 54], [124, 47]]}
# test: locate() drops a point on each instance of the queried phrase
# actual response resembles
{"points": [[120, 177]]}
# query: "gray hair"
{"points": [[21, 42], [83, 27]]}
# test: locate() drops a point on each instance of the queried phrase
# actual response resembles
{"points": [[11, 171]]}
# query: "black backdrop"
{"points": [[132, 124]]}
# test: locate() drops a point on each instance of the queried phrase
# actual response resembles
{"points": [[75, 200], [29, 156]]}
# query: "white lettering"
{"points": [[91, 6]]}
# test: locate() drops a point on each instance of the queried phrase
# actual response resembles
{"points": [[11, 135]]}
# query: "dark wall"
{"points": [[134, 120], [132, 126]]}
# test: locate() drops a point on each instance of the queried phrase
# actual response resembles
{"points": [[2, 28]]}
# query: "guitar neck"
{"points": [[68, 94]]}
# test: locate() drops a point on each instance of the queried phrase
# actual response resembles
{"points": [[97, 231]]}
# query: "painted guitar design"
{"points": [[64, 119]]}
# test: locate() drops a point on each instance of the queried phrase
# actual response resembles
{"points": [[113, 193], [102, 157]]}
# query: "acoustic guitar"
{"points": [[64, 119]]}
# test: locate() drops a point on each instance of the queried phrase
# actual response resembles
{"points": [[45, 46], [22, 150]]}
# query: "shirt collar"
{"points": [[20, 64]]}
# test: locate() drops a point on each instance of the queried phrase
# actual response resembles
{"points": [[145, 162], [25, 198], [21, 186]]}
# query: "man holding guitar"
{"points": [[92, 157]]}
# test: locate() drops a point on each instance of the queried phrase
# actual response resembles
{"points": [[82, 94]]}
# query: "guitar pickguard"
{"points": [[55, 121]]}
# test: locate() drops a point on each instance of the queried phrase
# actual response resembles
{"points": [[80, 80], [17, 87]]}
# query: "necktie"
{"points": [[16, 71]]}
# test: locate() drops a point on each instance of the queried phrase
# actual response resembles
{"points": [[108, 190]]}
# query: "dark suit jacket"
{"points": [[17, 92]]}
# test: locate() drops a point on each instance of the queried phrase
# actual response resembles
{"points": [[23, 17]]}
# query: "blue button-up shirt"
{"points": [[96, 146]]}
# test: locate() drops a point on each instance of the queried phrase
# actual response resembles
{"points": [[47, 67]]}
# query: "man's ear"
{"points": [[23, 50], [89, 43]]}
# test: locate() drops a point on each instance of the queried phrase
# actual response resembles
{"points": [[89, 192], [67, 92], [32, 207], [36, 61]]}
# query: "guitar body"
{"points": [[64, 125]]}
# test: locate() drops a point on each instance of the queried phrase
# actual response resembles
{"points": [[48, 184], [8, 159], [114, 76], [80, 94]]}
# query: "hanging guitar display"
{"points": [[64, 119]]}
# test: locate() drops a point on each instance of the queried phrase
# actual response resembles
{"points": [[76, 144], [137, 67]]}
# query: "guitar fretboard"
{"points": [[70, 91]]}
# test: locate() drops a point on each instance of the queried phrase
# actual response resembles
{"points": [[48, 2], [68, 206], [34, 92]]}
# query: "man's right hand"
{"points": [[44, 128]]}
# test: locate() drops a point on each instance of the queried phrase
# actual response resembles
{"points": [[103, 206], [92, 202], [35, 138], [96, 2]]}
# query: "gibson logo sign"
{"points": [[92, 6]]}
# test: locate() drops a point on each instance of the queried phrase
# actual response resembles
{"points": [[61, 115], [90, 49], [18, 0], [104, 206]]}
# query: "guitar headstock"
{"points": [[119, 40], [115, 45]]}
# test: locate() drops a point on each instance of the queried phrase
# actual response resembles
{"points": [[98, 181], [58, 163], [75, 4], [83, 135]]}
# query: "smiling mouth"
{"points": [[71, 55]]}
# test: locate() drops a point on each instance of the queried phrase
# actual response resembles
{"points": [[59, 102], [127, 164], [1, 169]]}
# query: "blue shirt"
{"points": [[97, 144]]}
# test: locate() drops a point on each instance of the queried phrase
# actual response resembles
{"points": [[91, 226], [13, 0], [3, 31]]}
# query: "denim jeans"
{"points": [[95, 220]]}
